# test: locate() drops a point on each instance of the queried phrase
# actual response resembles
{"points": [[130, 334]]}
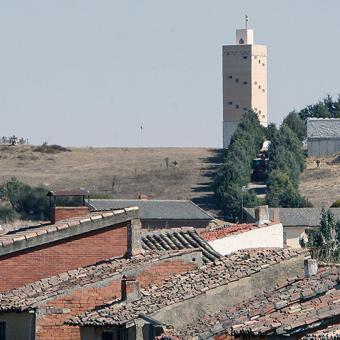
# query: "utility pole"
{"points": [[141, 136]]}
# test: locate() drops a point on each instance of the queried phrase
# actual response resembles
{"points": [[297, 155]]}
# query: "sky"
{"points": [[90, 73]]}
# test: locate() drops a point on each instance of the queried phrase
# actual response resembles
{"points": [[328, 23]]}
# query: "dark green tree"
{"points": [[324, 242], [296, 124]]}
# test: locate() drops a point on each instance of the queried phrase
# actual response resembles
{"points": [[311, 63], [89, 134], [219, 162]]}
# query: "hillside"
{"points": [[120, 172], [321, 184]]}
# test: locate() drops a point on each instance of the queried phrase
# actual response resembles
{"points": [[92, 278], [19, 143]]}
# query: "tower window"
{"points": [[259, 61], [263, 64], [230, 77], [245, 57], [259, 111], [263, 116], [241, 41], [255, 82], [260, 87], [230, 103], [245, 82], [237, 80], [255, 56], [263, 90], [237, 106], [245, 109]]}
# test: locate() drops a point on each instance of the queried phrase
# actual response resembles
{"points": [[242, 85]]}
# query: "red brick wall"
{"points": [[48, 260], [51, 326], [62, 213]]}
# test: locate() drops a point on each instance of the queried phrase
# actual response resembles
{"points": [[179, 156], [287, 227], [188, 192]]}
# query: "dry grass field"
{"points": [[164, 173], [321, 184]]}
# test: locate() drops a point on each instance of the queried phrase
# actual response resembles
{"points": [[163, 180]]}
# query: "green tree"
{"points": [[324, 242], [237, 166], [296, 124], [29, 202]]}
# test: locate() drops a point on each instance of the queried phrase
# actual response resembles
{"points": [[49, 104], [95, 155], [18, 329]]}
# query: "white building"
{"points": [[323, 136], [244, 81]]}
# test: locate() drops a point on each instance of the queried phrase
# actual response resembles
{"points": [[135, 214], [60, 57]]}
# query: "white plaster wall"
{"points": [[293, 235], [266, 237]]}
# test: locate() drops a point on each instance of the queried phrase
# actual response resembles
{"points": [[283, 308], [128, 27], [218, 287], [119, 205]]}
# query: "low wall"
{"points": [[323, 147], [264, 237], [181, 314]]}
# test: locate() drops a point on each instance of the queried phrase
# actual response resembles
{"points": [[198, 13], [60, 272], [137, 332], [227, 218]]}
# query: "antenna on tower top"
{"points": [[247, 19]]}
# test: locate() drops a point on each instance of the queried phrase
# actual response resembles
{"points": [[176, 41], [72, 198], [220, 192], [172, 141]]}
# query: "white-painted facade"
{"points": [[264, 237]]}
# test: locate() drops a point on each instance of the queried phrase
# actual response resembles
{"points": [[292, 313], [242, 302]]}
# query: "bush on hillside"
{"points": [[29, 202], [51, 149], [7, 214], [336, 204]]}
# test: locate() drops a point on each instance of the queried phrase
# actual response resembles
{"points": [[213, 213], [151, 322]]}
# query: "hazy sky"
{"points": [[79, 72]]}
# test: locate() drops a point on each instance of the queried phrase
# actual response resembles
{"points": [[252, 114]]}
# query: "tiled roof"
{"points": [[188, 285], [156, 209], [330, 333], [229, 230], [297, 306], [323, 128], [309, 217], [31, 295], [36, 235], [179, 238]]}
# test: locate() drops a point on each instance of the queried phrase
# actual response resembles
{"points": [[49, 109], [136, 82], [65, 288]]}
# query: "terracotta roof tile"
{"points": [[31, 295], [228, 230], [185, 286], [299, 305], [179, 238]]}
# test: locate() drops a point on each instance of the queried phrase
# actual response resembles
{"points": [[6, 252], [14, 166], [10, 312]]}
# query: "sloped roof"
{"points": [[185, 286], [177, 239], [323, 128], [41, 234], [33, 294], [297, 306], [307, 217], [155, 209]]}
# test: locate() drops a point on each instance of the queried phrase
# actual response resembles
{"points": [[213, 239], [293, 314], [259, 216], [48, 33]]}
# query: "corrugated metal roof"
{"points": [[155, 209]]}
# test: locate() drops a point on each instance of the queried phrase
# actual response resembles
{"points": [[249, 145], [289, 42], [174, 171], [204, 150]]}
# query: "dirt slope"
{"points": [[321, 184], [164, 173]]}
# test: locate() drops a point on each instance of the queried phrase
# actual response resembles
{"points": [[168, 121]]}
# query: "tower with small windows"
{"points": [[244, 81]]}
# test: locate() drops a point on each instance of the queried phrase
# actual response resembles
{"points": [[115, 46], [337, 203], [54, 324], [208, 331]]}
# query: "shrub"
{"points": [[29, 202], [336, 204], [52, 149], [7, 214]]}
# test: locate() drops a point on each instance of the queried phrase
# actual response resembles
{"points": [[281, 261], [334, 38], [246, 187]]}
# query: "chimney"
{"points": [[64, 212], [130, 289], [261, 214], [134, 238], [311, 267], [276, 214]]}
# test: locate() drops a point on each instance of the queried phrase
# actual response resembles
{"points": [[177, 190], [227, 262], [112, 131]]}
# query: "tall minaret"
{"points": [[244, 81]]}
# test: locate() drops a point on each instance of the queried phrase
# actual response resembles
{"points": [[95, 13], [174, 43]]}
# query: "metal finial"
{"points": [[247, 19]]}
